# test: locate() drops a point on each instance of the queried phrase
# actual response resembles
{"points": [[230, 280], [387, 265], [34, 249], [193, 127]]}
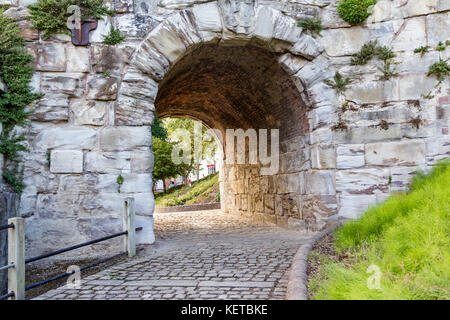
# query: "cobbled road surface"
{"points": [[199, 255]]}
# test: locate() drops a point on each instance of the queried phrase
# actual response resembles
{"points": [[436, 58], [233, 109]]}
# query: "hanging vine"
{"points": [[16, 73]]}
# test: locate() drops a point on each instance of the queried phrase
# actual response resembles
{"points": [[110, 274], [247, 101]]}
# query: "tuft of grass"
{"points": [[407, 237], [181, 195], [422, 50], [313, 26], [387, 70], [114, 37], [441, 47]]}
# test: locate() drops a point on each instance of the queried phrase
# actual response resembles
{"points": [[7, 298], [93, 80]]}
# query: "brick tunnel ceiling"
{"points": [[233, 87]]}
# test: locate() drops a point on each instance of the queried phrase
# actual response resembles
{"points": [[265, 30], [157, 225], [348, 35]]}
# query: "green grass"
{"points": [[407, 237], [182, 195]]}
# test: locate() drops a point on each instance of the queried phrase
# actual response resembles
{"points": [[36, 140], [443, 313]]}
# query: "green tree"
{"points": [[188, 124], [164, 167]]}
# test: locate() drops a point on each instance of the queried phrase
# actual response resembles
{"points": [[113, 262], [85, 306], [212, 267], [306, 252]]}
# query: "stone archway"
{"points": [[268, 74]]}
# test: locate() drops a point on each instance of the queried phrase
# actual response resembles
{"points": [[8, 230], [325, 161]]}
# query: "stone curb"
{"points": [[193, 207], [297, 288]]}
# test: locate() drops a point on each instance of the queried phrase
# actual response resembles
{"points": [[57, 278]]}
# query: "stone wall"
{"points": [[94, 120]]}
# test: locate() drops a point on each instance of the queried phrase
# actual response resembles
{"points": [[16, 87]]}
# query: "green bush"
{"points": [[407, 237], [355, 11], [50, 16]]}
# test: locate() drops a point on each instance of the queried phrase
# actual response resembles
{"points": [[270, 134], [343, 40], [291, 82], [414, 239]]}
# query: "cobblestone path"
{"points": [[199, 255]]}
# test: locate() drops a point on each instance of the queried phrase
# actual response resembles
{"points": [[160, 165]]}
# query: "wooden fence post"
{"points": [[16, 255], [129, 225]]}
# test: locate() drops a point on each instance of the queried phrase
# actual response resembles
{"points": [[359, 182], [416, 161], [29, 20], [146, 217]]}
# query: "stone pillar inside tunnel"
{"points": [[245, 88]]}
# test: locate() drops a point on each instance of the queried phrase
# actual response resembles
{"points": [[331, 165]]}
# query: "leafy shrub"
{"points": [[440, 70], [50, 16], [355, 11], [340, 84], [114, 37]]}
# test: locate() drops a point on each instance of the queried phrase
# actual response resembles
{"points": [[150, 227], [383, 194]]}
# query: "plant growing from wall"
{"points": [[367, 52], [114, 37], [422, 50], [48, 158], [119, 181], [312, 25], [440, 70], [50, 16], [339, 84], [441, 47], [416, 122], [355, 11], [387, 70], [158, 129], [16, 73], [371, 50]]}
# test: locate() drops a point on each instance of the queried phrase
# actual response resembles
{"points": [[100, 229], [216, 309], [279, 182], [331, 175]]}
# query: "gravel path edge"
{"points": [[297, 287]]}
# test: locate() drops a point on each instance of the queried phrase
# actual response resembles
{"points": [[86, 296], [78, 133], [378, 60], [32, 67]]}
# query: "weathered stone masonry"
{"points": [[231, 64]]}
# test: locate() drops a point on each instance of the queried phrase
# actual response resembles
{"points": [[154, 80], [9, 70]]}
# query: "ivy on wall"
{"points": [[16, 73], [50, 16]]}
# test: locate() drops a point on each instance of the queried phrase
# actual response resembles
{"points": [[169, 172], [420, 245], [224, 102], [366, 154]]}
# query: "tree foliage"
{"points": [[164, 167]]}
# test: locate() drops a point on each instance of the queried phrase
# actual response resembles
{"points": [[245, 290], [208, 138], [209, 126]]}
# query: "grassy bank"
{"points": [[407, 237], [204, 190]]}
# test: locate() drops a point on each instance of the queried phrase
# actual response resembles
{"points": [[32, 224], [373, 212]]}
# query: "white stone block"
{"points": [[66, 161], [125, 138], [77, 59], [406, 153], [208, 17], [353, 206], [362, 181], [66, 138]]}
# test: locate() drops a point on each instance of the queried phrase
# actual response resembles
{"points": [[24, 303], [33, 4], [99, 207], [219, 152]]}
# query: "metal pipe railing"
{"points": [[66, 274], [11, 265], [6, 296], [84, 244], [16, 251], [6, 226]]}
